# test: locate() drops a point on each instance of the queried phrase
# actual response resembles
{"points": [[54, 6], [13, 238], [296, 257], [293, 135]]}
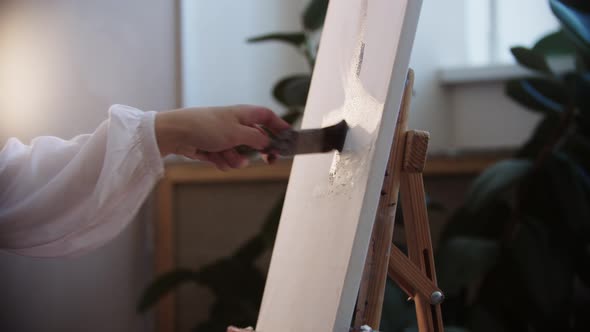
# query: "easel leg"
{"points": [[372, 288], [414, 273], [419, 241]]}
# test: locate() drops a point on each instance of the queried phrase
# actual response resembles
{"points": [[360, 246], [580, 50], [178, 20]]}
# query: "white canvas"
{"points": [[332, 198]]}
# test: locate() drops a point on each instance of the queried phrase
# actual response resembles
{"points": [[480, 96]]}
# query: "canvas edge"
{"points": [[260, 321], [377, 173]]}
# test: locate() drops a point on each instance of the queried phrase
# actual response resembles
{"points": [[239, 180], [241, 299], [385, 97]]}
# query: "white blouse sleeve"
{"points": [[62, 197]]}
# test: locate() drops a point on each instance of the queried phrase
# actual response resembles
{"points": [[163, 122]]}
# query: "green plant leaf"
{"points": [[463, 260], [577, 147], [558, 193], [296, 39], [447, 329], [292, 91], [531, 59], [541, 135], [237, 287], [570, 186], [433, 205], [546, 269], [163, 285], [314, 14], [481, 320], [574, 17], [500, 295], [235, 310], [581, 63], [231, 277], [250, 250], [556, 43], [538, 94], [486, 223], [269, 229], [264, 241], [583, 264], [495, 181], [236, 282], [582, 100], [292, 116], [398, 313], [455, 329]]}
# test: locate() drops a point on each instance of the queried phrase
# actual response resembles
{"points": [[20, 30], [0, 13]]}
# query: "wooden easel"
{"points": [[414, 273]]}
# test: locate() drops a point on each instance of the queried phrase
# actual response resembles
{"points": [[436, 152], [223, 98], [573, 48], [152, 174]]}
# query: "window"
{"points": [[493, 26]]}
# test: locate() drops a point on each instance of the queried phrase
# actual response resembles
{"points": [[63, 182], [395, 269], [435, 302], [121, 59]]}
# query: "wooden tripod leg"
{"points": [[372, 288], [417, 228]]}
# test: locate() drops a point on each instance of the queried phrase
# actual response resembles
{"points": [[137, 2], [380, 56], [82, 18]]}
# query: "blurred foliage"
{"points": [[292, 91], [235, 281], [516, 255]]}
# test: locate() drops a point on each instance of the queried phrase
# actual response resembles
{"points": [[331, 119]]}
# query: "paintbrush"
{"points": [[292, 142]]}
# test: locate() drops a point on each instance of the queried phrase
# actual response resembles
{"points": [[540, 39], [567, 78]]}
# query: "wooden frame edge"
{"points": [[164, 253]]}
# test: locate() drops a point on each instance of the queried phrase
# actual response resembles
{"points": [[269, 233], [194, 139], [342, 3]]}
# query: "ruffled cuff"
{"points": [[149, 143]]}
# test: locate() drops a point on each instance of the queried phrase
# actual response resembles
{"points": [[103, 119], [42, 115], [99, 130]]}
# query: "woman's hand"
{"points": [[212, 133], [235, 329]]}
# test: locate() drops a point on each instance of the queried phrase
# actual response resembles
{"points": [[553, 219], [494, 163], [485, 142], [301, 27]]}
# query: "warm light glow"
{"points": [[27, 75]]}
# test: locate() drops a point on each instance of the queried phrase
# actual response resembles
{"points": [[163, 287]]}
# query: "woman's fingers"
{"points": [[255, 115], [269, 158], [234, 159], [218, 160], [215, 129], [235, 329], [224, 160], [253, 137]]}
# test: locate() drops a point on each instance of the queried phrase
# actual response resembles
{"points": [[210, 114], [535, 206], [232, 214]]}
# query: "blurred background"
{"points": [[64, 62]]}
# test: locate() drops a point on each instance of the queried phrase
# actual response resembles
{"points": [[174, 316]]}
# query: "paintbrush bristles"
{"points": [[335, 136], [322, 139], [291, 142]]}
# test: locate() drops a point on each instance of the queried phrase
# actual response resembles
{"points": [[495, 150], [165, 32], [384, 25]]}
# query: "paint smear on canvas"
{"points": [[362, 112]]}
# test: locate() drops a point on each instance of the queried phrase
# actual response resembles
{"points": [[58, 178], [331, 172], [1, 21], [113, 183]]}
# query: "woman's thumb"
{"points": [[253, 137]]}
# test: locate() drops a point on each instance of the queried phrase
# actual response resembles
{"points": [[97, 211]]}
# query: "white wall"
{"points": [[519, 22], [62, 63], [473, 114], [440, 41], [484, 118], [522, 22], [94, 292]]}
